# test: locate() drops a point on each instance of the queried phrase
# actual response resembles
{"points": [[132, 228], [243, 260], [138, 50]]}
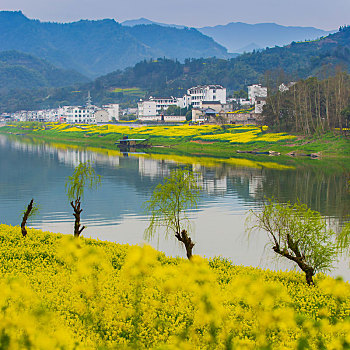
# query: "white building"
{"points": [[255, 91], [112, 110], [162, 104], [200, 93], [78, 114], [102, 116], [260, 102], [285, 87], [146, 109], [163, 118], [195, 95]]}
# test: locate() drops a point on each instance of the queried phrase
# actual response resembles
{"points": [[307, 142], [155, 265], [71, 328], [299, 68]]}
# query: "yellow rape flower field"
{"points": [[212, 133], [58, 292]]}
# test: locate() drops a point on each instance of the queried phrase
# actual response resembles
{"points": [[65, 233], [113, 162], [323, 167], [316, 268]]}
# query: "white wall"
{"points": [[146, 108], [256, 90]]}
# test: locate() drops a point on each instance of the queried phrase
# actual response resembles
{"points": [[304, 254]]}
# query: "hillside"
{"points": [[28, 72], [98, 47], [165, 77], [298, 60]]}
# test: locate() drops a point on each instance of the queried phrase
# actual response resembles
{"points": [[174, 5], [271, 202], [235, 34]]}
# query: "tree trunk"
{"points": [[298, 258], [76, 207], [25, 218], [187, 241]]}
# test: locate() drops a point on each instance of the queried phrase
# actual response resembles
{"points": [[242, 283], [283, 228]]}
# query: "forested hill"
{"points": [[164, 77], [298, 60], [98, 47], [19, 70]]}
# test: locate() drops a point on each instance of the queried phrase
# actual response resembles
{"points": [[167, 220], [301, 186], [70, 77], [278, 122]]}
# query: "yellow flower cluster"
{"points": [[58, 292], [232, 133]]}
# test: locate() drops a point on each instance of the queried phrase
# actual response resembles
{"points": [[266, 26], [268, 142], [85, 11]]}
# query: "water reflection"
{"points": [[33, 168]]}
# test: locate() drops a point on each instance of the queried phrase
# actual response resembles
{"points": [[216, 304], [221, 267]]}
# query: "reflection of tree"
{"points": [[321, 191], [321, 186]]}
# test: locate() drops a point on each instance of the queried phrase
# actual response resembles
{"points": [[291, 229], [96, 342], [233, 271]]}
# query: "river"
{"points": [[114, 212]]}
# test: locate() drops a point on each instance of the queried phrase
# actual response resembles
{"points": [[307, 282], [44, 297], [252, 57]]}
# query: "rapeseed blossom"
{"points": [[63, 293], [234, 134]]}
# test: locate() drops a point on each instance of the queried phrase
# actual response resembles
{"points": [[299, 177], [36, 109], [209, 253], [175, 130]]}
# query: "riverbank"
{"points": [[207, 140], [61, 292]]}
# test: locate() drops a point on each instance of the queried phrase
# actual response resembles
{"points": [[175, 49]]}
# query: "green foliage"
{"points": [[343, 238], [170, 202], [165, 77], [83, 175], [20, 70], [298, 232], [33, 212]]}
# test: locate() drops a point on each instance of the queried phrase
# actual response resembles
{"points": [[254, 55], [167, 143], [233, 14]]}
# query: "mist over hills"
{"points": [[142, 20], [241, 37], [98, 47], [238, 37]]}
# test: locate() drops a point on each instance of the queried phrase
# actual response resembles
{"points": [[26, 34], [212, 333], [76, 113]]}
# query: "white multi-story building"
{"points": [[155, 106], [255, 91], [197, 94], [146, 109], [78, 114], [162, 104]]}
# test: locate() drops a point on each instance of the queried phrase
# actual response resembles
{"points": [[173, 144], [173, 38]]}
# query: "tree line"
{"points": [[310, 106]]}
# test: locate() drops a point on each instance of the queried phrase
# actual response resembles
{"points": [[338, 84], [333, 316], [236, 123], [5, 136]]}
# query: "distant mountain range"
{"points": [[24, 71], [165, 77], [241, 37], [142, 20], [98, 47]]}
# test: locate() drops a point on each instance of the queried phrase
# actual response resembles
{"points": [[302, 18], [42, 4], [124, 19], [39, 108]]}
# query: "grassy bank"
{"points": [[58, 292], [209, 140]]}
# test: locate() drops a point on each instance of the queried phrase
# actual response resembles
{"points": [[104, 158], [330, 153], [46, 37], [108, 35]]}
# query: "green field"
{"points": [[209, 140]]}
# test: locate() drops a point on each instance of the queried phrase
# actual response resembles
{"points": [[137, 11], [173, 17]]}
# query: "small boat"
{"points": [[125, 142]]}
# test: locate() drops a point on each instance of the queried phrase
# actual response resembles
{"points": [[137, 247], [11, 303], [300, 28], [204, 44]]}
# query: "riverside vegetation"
{"points": [[58, 292], [205, 140]]}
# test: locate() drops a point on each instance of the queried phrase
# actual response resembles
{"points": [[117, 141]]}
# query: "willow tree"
{"points": [[344, 236], [298, 234], [30, 211], [83, 176], [169, 205]]}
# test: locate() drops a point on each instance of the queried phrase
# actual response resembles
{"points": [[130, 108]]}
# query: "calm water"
{"points": [[113, 212]]}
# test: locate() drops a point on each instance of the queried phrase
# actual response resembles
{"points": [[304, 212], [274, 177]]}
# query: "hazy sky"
{"points": [[325, 14]]}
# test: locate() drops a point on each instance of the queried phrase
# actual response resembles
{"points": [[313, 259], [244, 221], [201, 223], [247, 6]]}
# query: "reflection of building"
{"points": [[153, 168], [215, 186]]}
